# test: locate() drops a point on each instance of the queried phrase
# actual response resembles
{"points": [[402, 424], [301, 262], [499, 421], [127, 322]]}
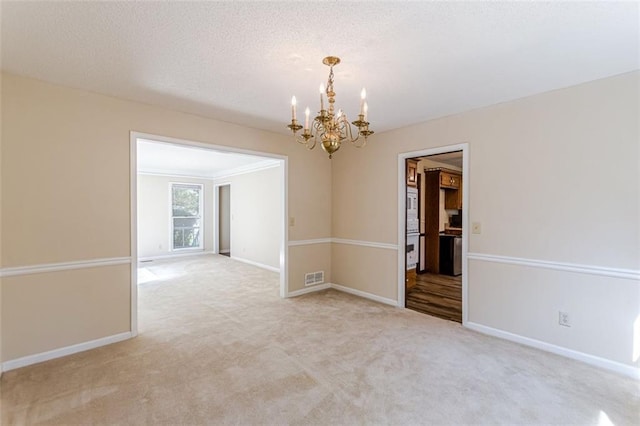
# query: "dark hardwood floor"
{"points": [[437, 295]]}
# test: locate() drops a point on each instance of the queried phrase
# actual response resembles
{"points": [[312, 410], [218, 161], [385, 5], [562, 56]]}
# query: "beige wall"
{"points": [[309, 258], [256, 216], [154, 214], [552, 177], [368, 269], [52, 310], [66, 198]]}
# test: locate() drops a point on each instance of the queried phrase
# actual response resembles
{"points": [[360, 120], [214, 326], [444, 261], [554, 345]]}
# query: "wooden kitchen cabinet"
{"points": [[453, 198], [435, 181], [432, 220], [411, 277], [449, 180], [412, 173]]}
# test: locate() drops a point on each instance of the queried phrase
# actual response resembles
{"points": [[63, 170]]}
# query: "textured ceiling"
{"points": [[242, 61]]}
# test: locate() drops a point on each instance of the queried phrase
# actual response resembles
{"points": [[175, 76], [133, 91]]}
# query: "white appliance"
{"points": [[412, 250], [413, 228], [413, 223]]}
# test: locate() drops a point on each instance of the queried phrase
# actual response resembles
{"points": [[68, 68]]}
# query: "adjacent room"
{"points": [[434, 235], [185, 207], [319, 212]]}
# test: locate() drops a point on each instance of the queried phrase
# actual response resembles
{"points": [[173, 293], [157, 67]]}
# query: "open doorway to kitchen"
{"points": [[182, 206], [433, 263]]}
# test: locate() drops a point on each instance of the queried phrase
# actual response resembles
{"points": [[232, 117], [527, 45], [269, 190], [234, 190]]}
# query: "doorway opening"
{"points": [[433, 263], [182, 205]]}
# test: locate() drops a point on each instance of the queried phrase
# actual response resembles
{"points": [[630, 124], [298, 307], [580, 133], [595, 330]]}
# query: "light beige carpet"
{"points": [[218, 346]]}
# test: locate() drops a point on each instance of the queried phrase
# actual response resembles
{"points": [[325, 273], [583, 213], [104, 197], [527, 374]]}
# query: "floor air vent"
{"points": [[313, 278]]}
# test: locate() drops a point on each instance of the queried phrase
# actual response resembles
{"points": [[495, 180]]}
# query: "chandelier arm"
{"points": [[302, 140], [362, 143], [347, 126], [311, 143]]}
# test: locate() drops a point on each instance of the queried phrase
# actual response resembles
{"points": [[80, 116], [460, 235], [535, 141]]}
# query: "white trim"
{"points": [[173, 175], [402, 183], [258, 264], [172, 256], [311, 289], [241, 170], [250, 168], [133, 202], [617, 367], [224, 251], [63, 266], [372, 244], [296, 243], [402, 228], [465, 231], [632, 274], [349, 290], [68, 350], [364, 294], [284, 248]]}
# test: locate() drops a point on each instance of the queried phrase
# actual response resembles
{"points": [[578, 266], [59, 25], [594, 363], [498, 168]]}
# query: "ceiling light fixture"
{"points": [[332, 128]]}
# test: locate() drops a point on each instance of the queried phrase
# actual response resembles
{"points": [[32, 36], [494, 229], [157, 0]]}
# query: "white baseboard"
{"points": [[172, 256], [259, 265], [310, 289], [225, 251], [607, 364], [68, 350], [344, 289], [365, 295]]}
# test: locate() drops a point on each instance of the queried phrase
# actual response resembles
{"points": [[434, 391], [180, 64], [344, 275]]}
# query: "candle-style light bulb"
{"points": [[321, 96], [293, 107], [306, 118], [365, 109], [363, 96]]}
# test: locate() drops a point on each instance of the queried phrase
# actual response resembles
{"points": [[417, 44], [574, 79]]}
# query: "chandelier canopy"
{"points": [[330, 127]]}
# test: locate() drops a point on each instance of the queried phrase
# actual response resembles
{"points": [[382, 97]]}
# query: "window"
{"points": [[186, 211]]}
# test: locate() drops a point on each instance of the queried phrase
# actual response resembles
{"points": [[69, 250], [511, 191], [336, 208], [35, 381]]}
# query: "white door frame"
{"points": [[133, 145], [216, 215], [402, 200]]}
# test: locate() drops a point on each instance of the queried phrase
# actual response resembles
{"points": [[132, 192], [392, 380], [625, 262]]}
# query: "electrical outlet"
{"points": [[476, 228], [292, 221], [563, 319]]}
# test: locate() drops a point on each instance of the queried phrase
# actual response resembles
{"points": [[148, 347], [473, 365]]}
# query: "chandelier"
{"points": [[330, 127]]}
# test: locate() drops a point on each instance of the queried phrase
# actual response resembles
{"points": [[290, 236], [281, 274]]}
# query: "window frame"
{"points": [[200, 246]]}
